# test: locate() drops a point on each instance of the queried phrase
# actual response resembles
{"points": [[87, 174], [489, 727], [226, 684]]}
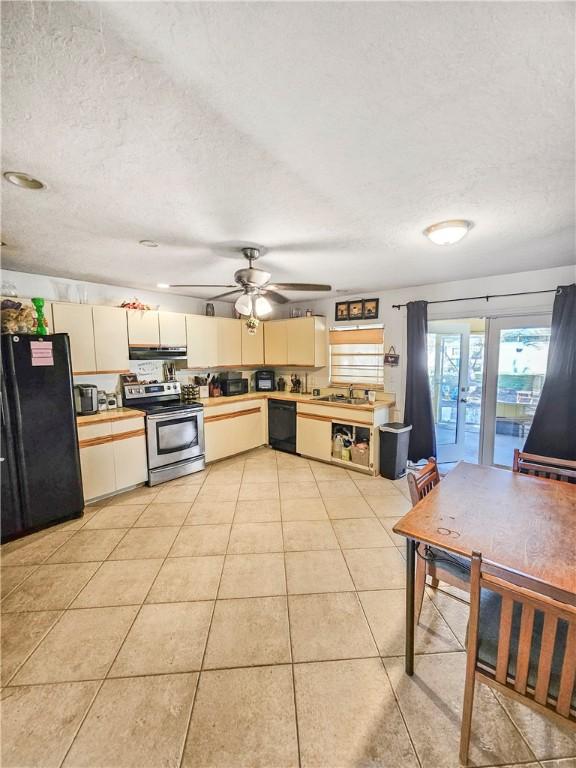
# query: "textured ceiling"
{"points": [[332, 133]]}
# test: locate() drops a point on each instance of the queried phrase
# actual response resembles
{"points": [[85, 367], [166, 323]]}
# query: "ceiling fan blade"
{"points": [[275, 297], [302, 286], [228, 293], [197, 285]]}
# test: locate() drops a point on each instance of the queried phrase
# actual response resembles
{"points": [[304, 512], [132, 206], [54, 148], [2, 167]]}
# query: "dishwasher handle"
{"points": [[282, 405]]}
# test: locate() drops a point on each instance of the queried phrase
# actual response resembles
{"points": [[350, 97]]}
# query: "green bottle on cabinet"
{"points": [[41, 329]]}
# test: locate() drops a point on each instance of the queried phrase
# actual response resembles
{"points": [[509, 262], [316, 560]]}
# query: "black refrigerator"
{"points": [[40, 459]]}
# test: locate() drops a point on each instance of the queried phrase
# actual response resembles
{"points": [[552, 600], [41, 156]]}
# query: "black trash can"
{"points": [[394, 439]]}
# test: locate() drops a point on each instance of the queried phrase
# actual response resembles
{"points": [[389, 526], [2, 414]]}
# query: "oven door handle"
{"points": [[174, 415]]}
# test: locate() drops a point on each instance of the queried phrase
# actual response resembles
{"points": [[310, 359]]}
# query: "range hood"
{"points": [[157, 353]]}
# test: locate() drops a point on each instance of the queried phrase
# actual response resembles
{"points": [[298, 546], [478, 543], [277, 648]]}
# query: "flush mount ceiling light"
{"points": [[448, 232], [23, 180], [148, 243]]}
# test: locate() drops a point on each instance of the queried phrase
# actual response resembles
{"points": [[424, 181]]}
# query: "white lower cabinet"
{"points": [[98, 470], [130, 461], [235, 430], [112, 456], [314, 437]]}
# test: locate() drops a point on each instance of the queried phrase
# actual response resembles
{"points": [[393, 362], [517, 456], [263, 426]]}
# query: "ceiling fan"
{"points": [[255, 288]]}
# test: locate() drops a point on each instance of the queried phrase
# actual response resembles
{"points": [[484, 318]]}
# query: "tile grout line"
{"points": [[65, 608], [137, 613], [56, 623], [223, 669], [103, 680], [201, 670], [203, 600], [34, 567], [289, 628], [106, 676], [516, 728], [380, 657]]}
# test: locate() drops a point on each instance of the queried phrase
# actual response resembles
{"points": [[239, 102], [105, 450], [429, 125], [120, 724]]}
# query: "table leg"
{"points": [[410, 577]]}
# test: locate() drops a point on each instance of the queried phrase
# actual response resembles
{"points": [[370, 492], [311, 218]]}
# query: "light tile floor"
{"points": [[249, 615]]}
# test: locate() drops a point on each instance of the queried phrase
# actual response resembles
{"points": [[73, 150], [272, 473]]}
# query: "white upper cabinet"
{"points": [[202, 341], [252, 345], [306, 341], [276, 342], [143, 328], [229, 341], [172, 329], [76, 321], [111, 339]]}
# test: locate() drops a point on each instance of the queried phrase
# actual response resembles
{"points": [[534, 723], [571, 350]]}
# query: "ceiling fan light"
{"points": [[244, 304], [448, 232], [262, 306]]}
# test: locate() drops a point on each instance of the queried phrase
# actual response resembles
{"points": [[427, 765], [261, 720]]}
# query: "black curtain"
{"points": [[553, 431], [418, 406]]}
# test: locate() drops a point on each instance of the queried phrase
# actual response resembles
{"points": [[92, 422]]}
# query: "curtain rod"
{"points": [[487, 297]]}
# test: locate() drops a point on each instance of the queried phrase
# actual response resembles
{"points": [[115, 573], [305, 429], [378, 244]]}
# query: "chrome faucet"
{"points": [[351, 392]]}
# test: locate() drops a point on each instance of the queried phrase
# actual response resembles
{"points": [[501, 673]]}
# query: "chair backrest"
{"points": [[421, 483], [544, 466], [535, 660]]}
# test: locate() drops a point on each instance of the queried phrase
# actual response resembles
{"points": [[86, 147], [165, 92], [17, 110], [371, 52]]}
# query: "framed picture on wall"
{"points": [[342, 310], [371, 309], [355, 310]]}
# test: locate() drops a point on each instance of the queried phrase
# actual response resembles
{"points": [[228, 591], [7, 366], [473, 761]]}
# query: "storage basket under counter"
{"points": [[351, 443]]}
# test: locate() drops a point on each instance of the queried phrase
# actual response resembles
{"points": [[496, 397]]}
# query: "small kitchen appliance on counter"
{"points": [[86, 399], [232, 383], [174, 430], [102, 400], [111, 400], [265, 381]]}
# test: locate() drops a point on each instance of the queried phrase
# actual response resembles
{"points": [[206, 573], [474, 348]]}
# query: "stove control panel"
{"points": [[151, 390]]}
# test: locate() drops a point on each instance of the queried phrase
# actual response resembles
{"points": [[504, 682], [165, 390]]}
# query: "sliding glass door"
{"points": [[516, 358], [455, 370]]}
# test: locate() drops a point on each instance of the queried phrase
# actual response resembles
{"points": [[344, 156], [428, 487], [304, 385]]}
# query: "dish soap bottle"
{"points": [[337, 444]]}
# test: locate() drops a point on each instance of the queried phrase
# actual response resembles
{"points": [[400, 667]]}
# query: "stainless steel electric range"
{"points": [[174, 430]]}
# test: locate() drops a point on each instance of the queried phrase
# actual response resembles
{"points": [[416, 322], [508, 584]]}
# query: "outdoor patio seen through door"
{"points": [[485, 379]]}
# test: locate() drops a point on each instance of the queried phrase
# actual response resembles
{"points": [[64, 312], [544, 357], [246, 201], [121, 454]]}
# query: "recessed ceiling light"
{"points": [[149, 243], [23, 180], [448, 232], [162, 285]]}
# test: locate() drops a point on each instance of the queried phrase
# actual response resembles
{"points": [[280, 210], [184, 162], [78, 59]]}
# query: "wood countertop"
{"points": [[387, 402], [116, 414]]}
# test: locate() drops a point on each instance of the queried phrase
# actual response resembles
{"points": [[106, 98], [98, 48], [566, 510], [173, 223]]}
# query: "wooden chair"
{"points": [[544, 466], [521, 643], [433, 562]]}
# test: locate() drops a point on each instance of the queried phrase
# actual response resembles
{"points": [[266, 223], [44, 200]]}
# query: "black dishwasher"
{"points": [[282, 425]]}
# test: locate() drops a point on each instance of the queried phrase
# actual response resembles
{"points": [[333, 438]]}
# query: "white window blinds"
{"points": [[357, 356]]}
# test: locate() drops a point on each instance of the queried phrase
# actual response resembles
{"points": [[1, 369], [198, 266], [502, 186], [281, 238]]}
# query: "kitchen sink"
{"points": [[342, 399]]}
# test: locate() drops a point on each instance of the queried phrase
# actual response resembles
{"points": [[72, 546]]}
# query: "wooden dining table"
{"points": [[519, 522]]}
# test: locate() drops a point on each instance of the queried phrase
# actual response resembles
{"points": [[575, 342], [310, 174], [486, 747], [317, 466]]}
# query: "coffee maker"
{"points": [[86, 399]]}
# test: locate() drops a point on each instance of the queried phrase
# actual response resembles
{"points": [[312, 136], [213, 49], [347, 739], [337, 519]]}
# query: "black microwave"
{"points": [[265, 381], [231, 387]]}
